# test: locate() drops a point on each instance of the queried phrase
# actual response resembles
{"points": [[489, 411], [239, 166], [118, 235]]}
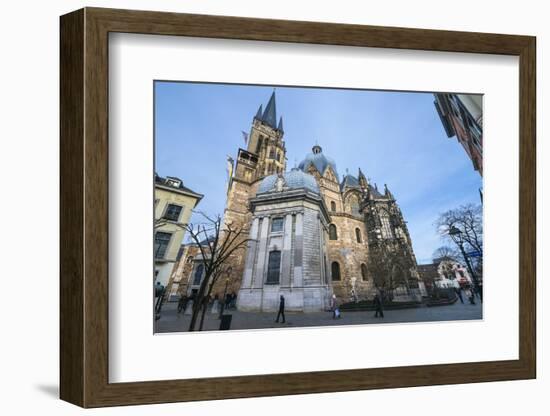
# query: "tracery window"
{"points": [[332, 232], [335, 270], [273, 267], [386, 225]]}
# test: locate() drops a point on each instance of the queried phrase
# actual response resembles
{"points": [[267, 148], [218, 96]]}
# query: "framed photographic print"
{"points": [[256, 207]]}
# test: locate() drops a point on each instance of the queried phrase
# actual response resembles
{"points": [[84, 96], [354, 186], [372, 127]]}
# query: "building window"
{"points": [[364, 274], [386, 226], [333, 206], [335, 270], [172, 212], [180, 253], [332, 232], [189, 259], [259, 145], [273, 268], [276, 225], [272, 154], [358, 235], [161, 244], [198, 275]]}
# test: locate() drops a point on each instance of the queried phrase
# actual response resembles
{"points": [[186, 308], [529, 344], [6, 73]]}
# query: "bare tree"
{"points": [[216, 242], [464, 227], [390, 267], [445, 252], [468, 219]]}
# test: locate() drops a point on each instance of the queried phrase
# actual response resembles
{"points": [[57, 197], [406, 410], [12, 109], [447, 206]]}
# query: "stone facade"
{"points": [[330, 227], [287, 247]]}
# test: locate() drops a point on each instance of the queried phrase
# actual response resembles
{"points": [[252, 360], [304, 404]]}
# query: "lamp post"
{"points": [[456, 236], [228, 271]]}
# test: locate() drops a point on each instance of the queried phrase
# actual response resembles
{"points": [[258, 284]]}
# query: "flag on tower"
{"points": [[245, 137]]}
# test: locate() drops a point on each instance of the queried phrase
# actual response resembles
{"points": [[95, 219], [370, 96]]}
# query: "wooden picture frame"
{"points": [[84, 207]]}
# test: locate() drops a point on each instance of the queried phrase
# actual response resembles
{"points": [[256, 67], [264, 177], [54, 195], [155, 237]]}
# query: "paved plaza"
{"points": [[171, 321]]}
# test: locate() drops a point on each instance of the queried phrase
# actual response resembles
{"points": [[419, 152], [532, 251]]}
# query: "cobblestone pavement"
{"points": [[171, 321]]}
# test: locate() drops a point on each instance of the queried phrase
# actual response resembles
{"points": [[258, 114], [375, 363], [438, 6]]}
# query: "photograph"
{"points": [[282, 206]]}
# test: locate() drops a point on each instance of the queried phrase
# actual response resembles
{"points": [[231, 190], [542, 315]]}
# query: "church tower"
{"points": [[265, 155]]}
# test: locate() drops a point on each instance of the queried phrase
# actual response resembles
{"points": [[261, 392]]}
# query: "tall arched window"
{"points": [[332, 232], [354, 205], [273, 268], [335, 270], [358, 235], [364, 272], [198, 274], [333, 206], [386, 226]]}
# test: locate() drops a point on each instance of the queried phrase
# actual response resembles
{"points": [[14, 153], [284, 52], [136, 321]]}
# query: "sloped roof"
{"points": [[295, 179], [319, 161]]}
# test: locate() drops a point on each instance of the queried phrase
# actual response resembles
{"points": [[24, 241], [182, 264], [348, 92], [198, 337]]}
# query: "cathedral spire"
{"points": [[363, 182], [270, 114], [280, 126], [387, 192], [259, 113]]}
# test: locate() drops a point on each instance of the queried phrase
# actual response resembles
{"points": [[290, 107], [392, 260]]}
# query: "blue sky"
{"points": [[395, 137]]}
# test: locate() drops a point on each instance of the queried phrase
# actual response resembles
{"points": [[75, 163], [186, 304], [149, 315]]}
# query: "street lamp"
{"points": [[228, 271], [456, 236]]}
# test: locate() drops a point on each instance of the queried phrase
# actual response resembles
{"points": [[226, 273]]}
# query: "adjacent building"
{"points": [[444, 273], [462, 117], [172, 208]]}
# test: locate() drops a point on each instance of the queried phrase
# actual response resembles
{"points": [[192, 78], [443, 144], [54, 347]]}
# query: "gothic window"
{"points": [[259, 145], [198, 275], [273, 268], [172, 212], [386, 225], [364, 272], [272, 153], [333, 206], [358, 235], [354, 205], [332, 232], [161, 244], [335, 270], [277, 225], [189, 259]]}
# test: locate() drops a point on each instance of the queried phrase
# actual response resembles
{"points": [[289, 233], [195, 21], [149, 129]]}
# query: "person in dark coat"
{"points": [[378, 306], [458, 291], [281, 309], [182, 304]]}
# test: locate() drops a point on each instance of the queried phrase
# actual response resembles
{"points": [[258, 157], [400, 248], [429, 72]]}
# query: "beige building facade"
{"points": [[172, 209]]}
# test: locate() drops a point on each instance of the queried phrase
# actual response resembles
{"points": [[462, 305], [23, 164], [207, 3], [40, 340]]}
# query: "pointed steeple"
{"points": [[259, 113], [280, 126], [363, 182], [269, 116], [387, 192]]}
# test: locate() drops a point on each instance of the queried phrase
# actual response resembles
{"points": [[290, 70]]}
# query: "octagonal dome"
{"points": [[319, 160], [295, 179]]}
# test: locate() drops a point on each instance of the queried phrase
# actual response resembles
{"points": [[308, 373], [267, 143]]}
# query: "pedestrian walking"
{"points": [[182, 303], [334, 307], [281, 309], [458, 291], [215, 306], [378, 306], [471, 296]]}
